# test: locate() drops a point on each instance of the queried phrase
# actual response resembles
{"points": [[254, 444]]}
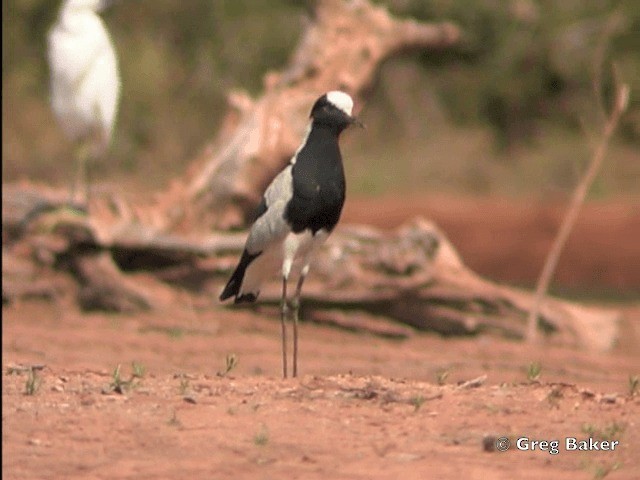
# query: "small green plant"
{"points": [[33, 382], [634, 385], [231, 361], [173, 420], [138, 370], [119, 384], [417, 402], [261, 438], [589, 429], [533, 371], [175, 332], [184, 385], [602, 470], [441, 376], [612, 431]]}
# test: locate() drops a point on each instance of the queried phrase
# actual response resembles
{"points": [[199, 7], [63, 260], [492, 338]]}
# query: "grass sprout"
{"points": [[261, 438], [231, 361], [120, 385], [533, 371], [33, 382], [634, 385]]}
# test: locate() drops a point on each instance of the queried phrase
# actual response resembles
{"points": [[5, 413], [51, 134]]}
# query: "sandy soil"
{"points": [[364, 407]]}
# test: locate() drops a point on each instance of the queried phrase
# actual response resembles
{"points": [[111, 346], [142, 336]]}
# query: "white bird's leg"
{"points": [[80, 187], [75, 183], [296, 310], [88, 163], [283, 318]]}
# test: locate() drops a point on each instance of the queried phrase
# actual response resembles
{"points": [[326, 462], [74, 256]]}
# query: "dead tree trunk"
{"points": [[342, 48]]}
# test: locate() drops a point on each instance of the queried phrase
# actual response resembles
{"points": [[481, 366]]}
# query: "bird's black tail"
{"points": [[235, 282]]}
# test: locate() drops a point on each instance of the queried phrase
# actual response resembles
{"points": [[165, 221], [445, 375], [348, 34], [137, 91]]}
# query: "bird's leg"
{"points": [[80, 187], [73, 190], [88, 163], [283, 318], [296, 311]]}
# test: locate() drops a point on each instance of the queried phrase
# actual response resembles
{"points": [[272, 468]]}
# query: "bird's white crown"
{"points": [[341, 100]]}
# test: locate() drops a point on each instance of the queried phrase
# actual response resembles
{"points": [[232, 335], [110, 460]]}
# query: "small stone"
{"points": [[489, 443], [407, 457]]}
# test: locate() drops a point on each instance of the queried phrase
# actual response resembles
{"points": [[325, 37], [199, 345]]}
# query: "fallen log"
{"points": [[412, 275], [415, 276]]}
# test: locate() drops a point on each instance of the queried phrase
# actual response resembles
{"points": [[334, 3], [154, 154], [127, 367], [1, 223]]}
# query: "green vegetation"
{"points": [[231, 361], [602, 470], [174, 421], [441, 376], [32, 383], [120, 385], [261, 438], [117, 383], [502, 113], [417, 402], [138, 370], [609, 432], [634, 385], [185, 385], [533, 371]]}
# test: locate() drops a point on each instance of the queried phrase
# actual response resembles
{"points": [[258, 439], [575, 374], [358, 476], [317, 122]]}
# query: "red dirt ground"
{"points": [[365, 407]]}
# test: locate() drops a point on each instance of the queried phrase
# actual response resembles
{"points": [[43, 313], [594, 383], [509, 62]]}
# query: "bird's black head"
{"points": [[334, 110]]}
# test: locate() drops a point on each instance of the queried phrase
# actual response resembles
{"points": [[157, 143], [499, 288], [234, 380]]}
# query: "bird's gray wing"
{"points": [[271, 227]]}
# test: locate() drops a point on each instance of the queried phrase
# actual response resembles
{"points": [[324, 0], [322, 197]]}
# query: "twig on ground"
{"points": [[473, 383]]}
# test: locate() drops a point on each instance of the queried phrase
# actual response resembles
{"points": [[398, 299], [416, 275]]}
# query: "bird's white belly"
{"points": [[298, 251], [85, 83], [75, 116], [289, 258]]}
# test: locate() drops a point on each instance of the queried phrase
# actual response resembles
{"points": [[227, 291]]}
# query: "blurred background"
{"points": [[504, 113]]}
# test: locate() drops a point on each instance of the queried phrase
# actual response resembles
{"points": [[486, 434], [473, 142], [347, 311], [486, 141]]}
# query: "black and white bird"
{"points": [[299, 209]]}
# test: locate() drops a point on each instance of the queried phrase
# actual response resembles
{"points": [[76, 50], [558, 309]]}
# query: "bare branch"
{"points": [[619, 106]]}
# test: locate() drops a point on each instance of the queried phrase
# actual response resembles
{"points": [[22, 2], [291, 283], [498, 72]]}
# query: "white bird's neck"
{"points": [[76, 18], [74, 11]]}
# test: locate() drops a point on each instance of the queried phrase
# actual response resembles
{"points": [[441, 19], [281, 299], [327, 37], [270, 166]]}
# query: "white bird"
{"points": [[299, 210], [85, 83]]}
